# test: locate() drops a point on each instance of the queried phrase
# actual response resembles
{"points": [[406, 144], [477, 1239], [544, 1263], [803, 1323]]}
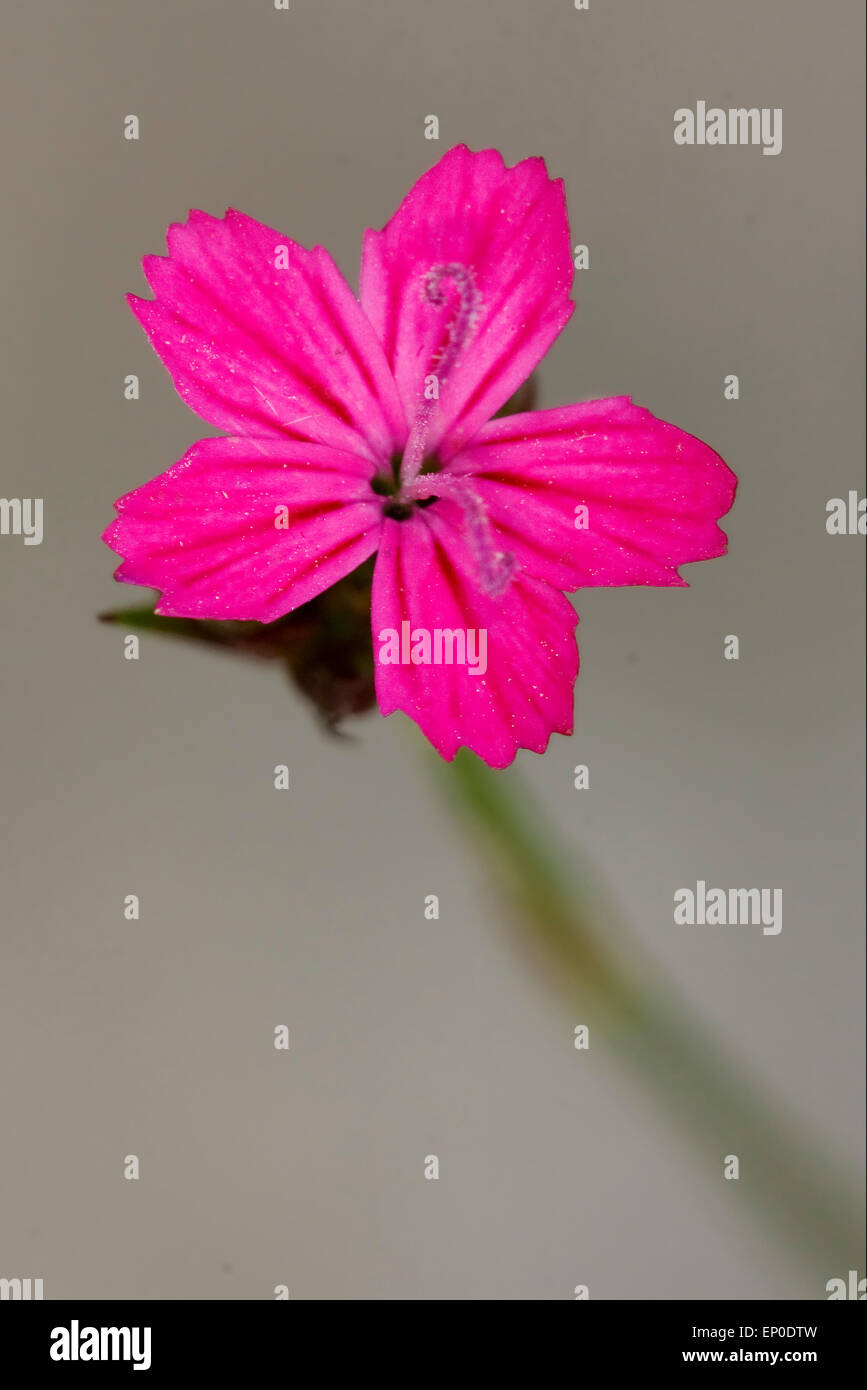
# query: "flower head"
{"points": [[362, 426]]}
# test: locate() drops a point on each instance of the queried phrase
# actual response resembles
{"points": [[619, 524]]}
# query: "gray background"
{"points": [[305, 908]]}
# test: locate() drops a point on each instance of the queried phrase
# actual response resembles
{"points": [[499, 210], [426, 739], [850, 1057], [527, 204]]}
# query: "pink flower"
{"points": [[361, 427]]}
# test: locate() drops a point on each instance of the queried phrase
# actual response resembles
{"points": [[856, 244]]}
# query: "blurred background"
{"points": [[411, 1037]]}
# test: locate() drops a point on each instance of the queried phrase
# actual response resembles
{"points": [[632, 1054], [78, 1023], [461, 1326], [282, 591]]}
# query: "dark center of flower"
{"points": [[388, 486]]}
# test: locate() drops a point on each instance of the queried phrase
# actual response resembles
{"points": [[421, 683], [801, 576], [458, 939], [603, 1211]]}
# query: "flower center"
{"points": [[388, 485]]}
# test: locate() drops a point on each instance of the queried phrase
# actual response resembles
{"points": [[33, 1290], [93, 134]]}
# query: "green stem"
{"points": [[568, 926]]}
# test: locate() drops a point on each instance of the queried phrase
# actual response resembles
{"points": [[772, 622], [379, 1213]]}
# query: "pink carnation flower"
{"points": [[365, 425]]}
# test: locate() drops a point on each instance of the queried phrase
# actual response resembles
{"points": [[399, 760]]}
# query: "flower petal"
{"points": [[652, 493], [509, 229], [206, 532], [425, 576], [263, 350]]}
